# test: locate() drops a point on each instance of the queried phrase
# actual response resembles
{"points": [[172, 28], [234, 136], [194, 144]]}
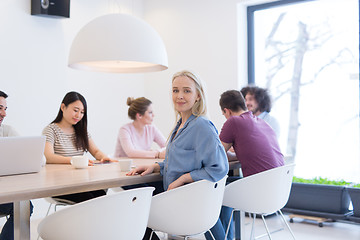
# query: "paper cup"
{"points": [[80, 161], [125, 164]]}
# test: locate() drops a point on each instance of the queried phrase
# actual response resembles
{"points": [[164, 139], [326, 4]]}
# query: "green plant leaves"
{"points": [[324, 181]]}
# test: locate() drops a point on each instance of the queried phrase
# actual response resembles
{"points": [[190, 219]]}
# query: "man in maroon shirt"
{"points": [[255, 145], [254, 141]]}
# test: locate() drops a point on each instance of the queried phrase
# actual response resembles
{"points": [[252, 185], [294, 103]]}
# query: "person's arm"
{"points": [[209, 153], [231, 155], [49, 152], [227, 138], [97, 153], [185, 178], [12, 132], [159, 138], [162, 154], [144, 170], [275, 126], [51, 157], [161, 141]]}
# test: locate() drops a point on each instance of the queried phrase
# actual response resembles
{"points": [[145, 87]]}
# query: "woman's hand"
{"points": [[143, 170], [107, 160], [162, 154], [185, 178], [103, 160], [177, 183]]}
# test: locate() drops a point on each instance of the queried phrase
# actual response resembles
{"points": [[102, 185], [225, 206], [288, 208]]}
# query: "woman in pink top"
{"points": [[136, 138]]}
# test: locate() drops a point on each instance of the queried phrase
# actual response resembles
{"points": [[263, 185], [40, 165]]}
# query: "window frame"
{"points": [[250, 31], [250, 10]]}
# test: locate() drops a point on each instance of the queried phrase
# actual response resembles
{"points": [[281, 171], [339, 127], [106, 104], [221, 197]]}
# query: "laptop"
{"points": [[20, 155]]}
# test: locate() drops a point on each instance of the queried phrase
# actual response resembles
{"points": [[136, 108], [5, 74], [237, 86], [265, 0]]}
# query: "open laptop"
{"points": [[20, 155]]}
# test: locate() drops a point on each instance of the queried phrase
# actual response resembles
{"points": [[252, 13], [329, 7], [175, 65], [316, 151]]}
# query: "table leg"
{"points": [[239, 219], [22, 220]]}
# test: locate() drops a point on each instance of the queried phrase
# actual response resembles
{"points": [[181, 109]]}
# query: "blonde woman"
{"points": [[194, 151]]}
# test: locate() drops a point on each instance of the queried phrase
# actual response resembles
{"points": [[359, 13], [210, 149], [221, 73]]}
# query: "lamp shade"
{"points": [[118, 43]]}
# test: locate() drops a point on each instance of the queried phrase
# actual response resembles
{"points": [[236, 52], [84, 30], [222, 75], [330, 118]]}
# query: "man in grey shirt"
{"points": [[5, 130]]}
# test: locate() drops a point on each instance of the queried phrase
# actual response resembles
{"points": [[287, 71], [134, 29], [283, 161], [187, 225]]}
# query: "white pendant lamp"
{"points": [[118, 43]]}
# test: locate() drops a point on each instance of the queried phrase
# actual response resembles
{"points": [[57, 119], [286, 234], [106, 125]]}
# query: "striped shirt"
{"points": [[63, 143]]}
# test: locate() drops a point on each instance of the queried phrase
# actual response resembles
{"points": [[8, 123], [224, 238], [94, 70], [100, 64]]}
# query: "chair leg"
{"points": [[47, 213], [212, 236], [287, 225], [56, 206], [266, 227], [274, 231], [252, 226], [278, 216], [228, 227]]}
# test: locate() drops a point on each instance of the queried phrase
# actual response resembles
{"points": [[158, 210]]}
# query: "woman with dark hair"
{"points": [[67, 136], [136, 138]]}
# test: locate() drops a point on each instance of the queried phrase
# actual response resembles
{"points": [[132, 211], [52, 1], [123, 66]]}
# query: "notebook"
{"points": [[20, 155]]}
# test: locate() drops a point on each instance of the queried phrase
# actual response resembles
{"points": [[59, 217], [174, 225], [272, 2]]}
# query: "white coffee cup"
{"points": [[80, 161], [125, 164]]}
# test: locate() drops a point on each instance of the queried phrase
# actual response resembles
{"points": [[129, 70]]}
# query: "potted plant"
{"points": [[319, 197], [354, 192]]}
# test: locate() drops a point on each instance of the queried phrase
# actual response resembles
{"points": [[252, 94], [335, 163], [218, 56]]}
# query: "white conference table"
{"points": [[59, 179]]}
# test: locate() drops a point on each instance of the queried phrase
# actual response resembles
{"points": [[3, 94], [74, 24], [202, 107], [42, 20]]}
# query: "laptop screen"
{"points": [[20, 155]]}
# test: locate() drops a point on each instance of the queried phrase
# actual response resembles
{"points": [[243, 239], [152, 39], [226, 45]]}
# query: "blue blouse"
{"points": [[195, 149]]}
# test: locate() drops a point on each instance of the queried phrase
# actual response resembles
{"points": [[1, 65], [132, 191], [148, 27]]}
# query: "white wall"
{"points": [[201, 36], [34, 72]]}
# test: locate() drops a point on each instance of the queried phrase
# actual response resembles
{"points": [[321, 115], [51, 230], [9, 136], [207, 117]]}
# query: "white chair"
{"points": [[122, 215], [4, 215], [263, 193], [187, 210], [60, 202], [56, 203], [288, 159]]}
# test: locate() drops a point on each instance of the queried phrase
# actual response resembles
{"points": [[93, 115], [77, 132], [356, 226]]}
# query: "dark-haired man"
{"points": [[258, 101], [5, 130], [254, 142], [7, 232]]}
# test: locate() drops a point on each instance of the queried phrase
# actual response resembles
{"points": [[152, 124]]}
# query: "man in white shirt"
{"points": [[258, 101], [5, 130], [7, 232]]}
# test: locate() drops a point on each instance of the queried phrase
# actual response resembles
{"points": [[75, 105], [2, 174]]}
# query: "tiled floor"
{"points": [[303, 230]]}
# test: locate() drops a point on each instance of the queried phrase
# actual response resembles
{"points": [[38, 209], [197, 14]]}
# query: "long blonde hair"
{"points": [[200, 107]]}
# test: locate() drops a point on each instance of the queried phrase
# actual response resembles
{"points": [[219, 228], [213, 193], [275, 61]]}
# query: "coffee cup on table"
{"points": [[80, 161], [125, 164]]}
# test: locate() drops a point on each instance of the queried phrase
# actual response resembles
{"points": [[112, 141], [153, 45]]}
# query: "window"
{"points": [[307, 54]]}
